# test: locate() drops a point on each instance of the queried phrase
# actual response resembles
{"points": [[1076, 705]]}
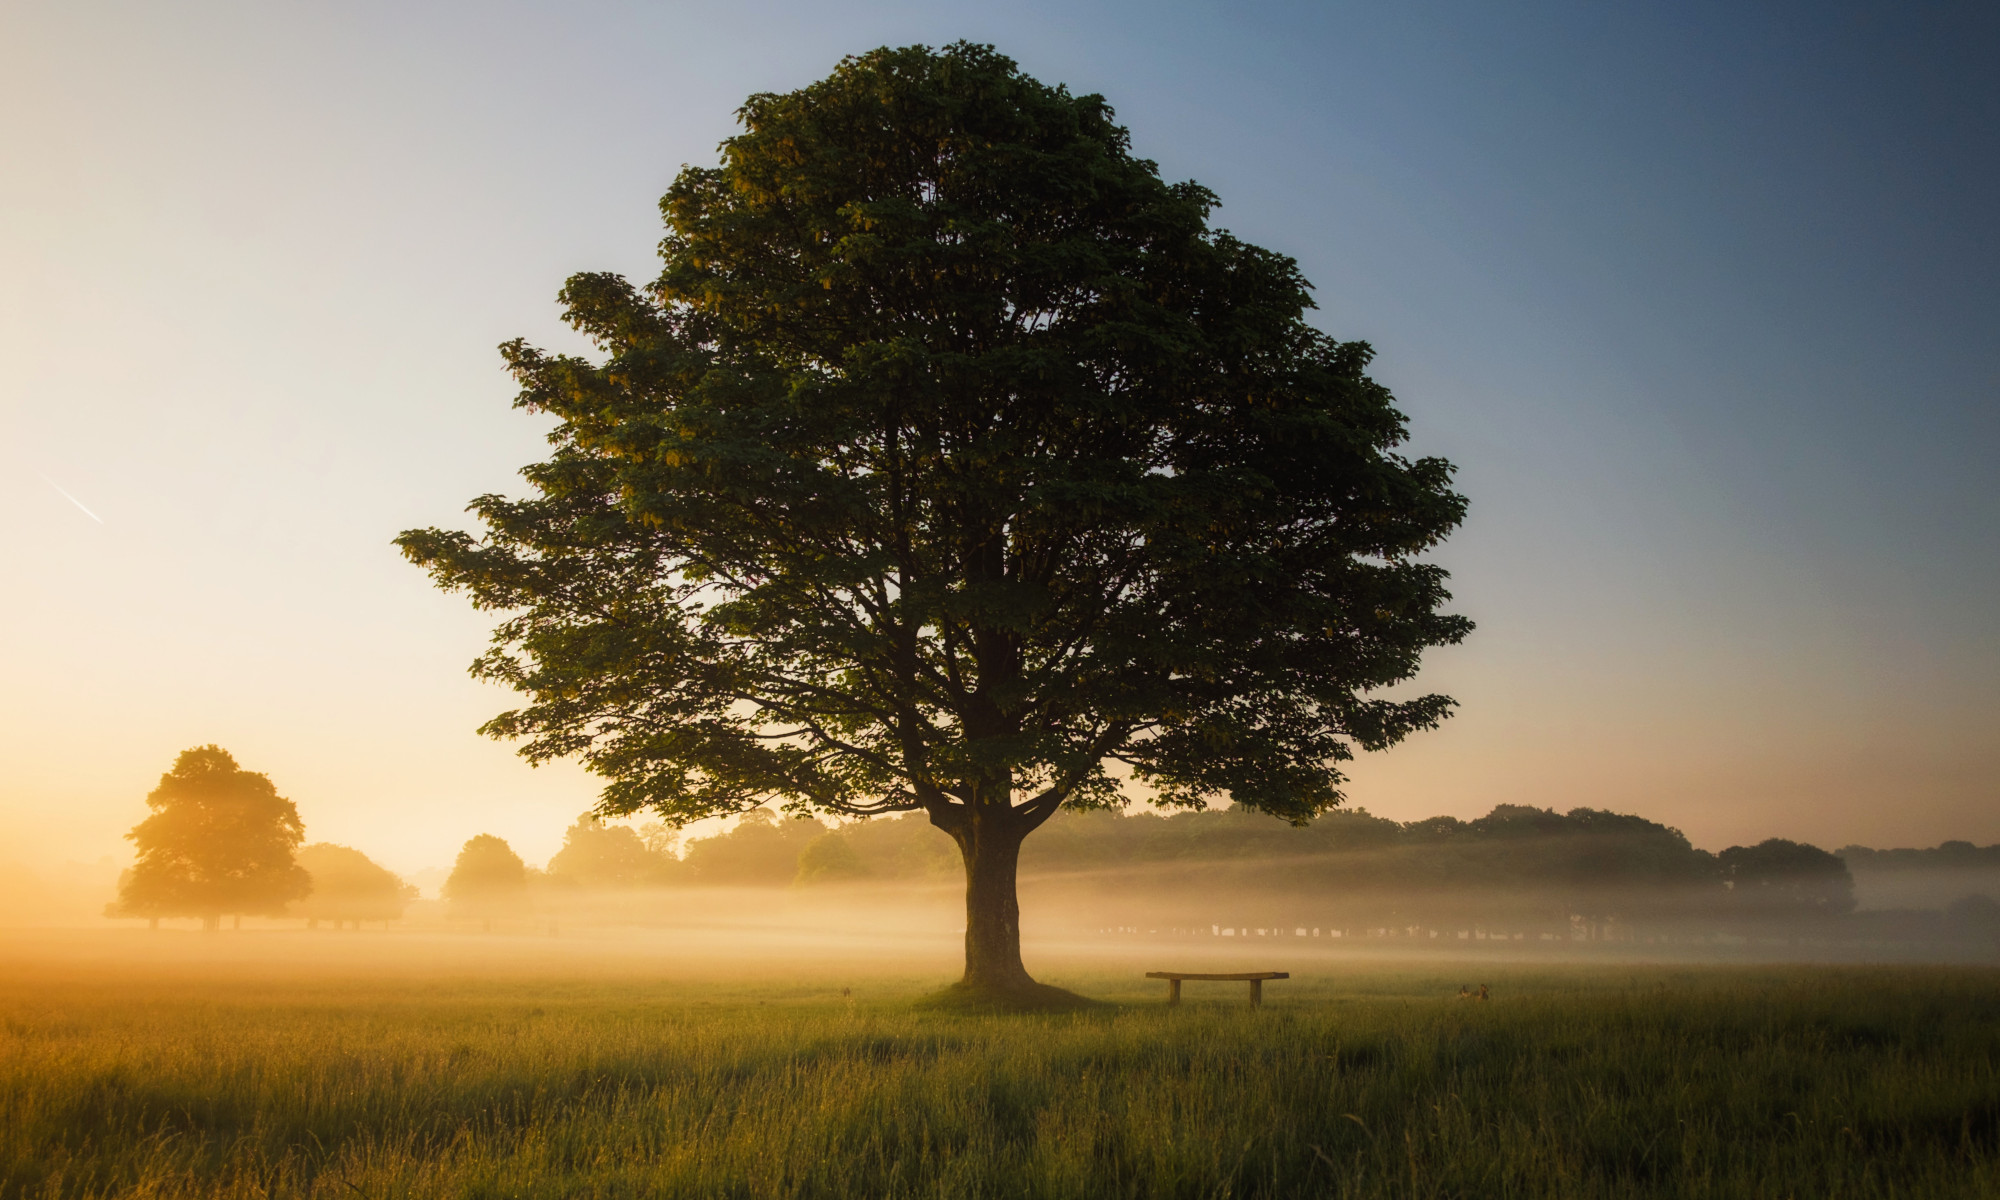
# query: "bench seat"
{"points": [[1254, 978]]}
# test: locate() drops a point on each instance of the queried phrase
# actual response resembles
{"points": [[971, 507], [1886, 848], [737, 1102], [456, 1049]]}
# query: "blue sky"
{"points": [[1703, 299]]}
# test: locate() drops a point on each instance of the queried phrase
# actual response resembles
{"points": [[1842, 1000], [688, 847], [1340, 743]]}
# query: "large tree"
{"points": [[954, 463], [220, 841]]}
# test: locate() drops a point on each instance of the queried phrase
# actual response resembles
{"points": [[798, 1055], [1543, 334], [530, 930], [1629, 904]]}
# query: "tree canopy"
{"points": [[1781, 875], [952, 461], [598, 855], [488, 880], [220, 841], [760, 850]]}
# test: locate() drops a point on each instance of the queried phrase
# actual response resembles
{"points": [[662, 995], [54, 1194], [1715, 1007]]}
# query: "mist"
{"points": [[774, 895]]}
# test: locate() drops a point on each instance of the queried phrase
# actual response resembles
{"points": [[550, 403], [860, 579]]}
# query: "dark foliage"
{"points": [[1776, 875], [1952, 855], [1511, 846], [952, 457], [952, 446]]}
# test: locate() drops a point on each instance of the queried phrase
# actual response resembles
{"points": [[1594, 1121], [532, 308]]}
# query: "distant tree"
{"points": [[951, 458], [347, 885], [761, 851], [1779, 877], [661, 839], [832, 858], [597, 855], [220, 842], [1436, 829], [488, 881], [907, 848], [1956, 853]]}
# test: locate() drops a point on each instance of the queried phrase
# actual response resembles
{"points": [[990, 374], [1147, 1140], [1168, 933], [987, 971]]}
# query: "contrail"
{"points": [[73, 500]]}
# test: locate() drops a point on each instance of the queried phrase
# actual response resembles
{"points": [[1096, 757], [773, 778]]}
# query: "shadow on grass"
{"points": [[966, 1000]]}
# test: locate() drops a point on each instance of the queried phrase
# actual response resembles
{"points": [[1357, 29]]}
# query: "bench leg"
{"points": [[1256, 993], [1173, 991]]}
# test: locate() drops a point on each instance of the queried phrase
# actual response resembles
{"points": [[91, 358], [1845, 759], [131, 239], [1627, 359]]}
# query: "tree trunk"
{"points": [[990, 843], [989, 836]]}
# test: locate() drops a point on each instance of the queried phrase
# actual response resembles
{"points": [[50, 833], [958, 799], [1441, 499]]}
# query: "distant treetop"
{"points": [[488, 880], [598, 855], [347, 885], [1956, 853]]}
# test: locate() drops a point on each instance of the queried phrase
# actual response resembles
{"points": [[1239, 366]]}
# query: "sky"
{"points": [[1703, 300]]}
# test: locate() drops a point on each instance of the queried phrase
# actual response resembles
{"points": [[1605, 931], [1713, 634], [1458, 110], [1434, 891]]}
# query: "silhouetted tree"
{"points": [[1944, 856], [1780, 877], [489, 880], [219, 842], [347, 885], [951, 457]]}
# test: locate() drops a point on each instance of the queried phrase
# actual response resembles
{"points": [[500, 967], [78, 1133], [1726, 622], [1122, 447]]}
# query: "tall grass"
{"points": [[1807, 1082]]}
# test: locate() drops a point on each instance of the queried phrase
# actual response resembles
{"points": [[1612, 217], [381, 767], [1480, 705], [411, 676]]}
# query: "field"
{"points": [[425, 1075]]}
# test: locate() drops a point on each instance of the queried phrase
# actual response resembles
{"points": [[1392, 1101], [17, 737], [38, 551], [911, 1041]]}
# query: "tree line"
{"points": [[1512, 846], [221, 842]]}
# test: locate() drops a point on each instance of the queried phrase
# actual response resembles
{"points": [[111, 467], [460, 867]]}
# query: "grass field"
{"points": [[1362, 1081]]}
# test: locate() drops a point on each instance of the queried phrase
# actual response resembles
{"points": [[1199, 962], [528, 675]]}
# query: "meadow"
{"points": [[1357, 1078]]}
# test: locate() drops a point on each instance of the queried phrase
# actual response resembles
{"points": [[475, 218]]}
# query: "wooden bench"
{"points": [[1254, 978]]}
